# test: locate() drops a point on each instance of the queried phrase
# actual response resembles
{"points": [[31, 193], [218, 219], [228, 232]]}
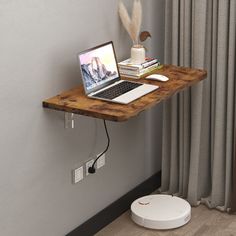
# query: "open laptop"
{"points": [[101, 78]]}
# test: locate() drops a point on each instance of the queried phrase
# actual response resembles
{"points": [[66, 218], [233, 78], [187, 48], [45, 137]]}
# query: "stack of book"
{"points": [[128, 69]]}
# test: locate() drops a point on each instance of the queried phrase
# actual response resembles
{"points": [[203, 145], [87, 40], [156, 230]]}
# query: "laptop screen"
{"points": [[98, 67]]}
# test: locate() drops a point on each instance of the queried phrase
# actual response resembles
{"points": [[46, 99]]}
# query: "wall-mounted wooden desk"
{"points": [[75, 101]]}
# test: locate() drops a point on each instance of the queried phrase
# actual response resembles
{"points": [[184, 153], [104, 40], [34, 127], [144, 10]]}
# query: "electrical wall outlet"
{"points": [[87, 165], [101, 161], [78, 174]]}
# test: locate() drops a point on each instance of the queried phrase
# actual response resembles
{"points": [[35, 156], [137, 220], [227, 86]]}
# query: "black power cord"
{"points": [[92, 168]]}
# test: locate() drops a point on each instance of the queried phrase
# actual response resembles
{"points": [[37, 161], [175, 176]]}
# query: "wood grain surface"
{"points": [[77, 102], [204, 222]]}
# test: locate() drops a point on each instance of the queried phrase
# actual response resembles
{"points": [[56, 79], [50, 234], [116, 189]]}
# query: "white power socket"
{"points": [[101, 161], [87, 165], [78, 174]]}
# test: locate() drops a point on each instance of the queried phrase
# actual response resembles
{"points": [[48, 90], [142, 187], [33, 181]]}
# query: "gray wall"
{"points": [[38, 45]]}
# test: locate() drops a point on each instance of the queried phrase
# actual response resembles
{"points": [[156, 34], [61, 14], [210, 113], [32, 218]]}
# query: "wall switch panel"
{"points": [[87, 165], [78, 174], [101, 161]]}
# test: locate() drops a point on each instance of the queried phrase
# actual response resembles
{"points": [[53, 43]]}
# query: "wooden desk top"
{"points": [[75, 101]]}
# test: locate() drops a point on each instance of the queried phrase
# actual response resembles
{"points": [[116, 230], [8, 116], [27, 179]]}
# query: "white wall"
{"points": [[39, 40]]}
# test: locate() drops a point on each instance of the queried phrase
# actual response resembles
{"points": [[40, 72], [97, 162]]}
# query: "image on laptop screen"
{"points": [[98, 66]]}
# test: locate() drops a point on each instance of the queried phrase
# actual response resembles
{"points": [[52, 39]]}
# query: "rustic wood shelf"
{"points": [[75, 100]]}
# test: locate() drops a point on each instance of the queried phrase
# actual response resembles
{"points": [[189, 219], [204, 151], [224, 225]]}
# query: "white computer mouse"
{"points": [[158, 77]]}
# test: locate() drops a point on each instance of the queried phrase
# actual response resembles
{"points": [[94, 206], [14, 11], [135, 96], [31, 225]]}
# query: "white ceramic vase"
{"points": [[137, 54]]}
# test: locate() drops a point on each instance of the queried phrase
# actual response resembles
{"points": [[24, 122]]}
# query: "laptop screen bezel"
{"points": [[98, 87]]}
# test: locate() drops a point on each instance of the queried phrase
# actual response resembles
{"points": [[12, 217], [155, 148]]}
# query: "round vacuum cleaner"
{"points": [[160, 211]]}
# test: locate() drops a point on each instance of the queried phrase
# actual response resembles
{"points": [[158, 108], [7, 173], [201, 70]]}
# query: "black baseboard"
{"points": [[110, 213]]}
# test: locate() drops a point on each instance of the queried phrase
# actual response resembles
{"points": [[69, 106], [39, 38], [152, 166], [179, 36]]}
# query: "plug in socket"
{"points": [[87, 165]]}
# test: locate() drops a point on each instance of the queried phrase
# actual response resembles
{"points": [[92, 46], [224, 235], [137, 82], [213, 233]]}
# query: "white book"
{"points": [[127, 64], [139, 72]]}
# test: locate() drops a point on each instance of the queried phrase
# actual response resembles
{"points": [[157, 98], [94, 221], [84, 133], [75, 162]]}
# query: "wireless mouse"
{"points": [[158, 77]]}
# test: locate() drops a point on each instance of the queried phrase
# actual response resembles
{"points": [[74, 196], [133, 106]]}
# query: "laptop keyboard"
{"points": [[117, 90]]}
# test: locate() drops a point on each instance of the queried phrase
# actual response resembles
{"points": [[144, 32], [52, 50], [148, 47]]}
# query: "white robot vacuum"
{"points": [[160, 211]]}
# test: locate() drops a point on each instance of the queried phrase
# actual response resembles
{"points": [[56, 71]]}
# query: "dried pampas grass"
{"points": [[133, 25]]}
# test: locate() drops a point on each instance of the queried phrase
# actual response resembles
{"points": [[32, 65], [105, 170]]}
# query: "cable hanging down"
{"points": [[92, 168]]}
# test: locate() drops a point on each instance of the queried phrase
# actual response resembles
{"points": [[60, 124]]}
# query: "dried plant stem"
{"points": [[133, 25]]}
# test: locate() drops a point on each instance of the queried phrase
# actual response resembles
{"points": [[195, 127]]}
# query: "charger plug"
{"points": [[91, 170]]}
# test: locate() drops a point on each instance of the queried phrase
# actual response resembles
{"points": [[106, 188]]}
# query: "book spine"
{"points": [[132, 68], [137, 76], [140, 72], [136, 67], [149, 63]]}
